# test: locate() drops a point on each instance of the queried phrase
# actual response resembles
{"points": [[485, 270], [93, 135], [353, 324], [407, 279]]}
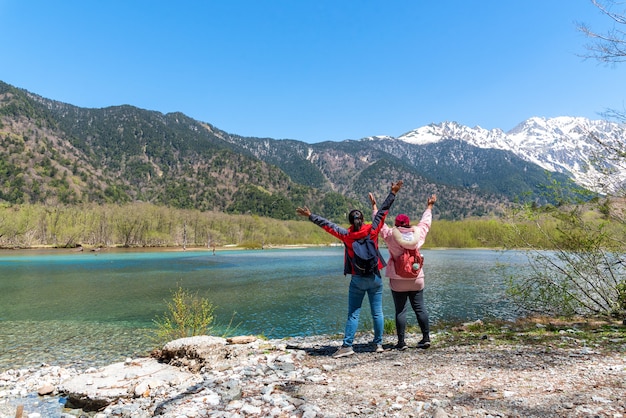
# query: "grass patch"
{"points": [[596, 334]]}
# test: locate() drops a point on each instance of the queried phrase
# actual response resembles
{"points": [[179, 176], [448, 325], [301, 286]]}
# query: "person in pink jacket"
{"points": [[402, 236]]}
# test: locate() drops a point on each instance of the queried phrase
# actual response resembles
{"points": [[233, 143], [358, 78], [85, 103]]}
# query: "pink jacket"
{"points": [[397, 283]]}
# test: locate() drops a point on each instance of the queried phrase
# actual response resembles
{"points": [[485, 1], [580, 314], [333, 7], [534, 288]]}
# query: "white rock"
{"points": [[248, 409], [208, 397]]}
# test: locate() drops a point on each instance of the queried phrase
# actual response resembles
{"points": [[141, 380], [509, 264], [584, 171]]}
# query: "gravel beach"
{"points": [[297, 377]]}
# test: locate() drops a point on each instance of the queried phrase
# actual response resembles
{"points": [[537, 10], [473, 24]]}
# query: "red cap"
{"points": [[402, 220]]}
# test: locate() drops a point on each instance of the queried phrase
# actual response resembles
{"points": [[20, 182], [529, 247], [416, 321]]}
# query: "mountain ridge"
{"points": [[57, 152], [561, 144]]}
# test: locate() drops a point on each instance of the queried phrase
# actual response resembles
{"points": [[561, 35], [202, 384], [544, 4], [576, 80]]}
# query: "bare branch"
{"points": [[609, 47], [605, 7]]}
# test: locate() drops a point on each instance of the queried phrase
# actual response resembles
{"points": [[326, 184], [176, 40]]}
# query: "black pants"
{"points": [[416, 300]]}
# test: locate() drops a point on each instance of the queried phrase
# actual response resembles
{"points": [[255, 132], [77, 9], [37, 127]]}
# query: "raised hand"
{"points": [[372, 199], [395, 187], [303, 211]]}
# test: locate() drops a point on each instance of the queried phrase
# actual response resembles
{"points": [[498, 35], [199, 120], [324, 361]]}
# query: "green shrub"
{"points": [[188, 315], [389, 327]]}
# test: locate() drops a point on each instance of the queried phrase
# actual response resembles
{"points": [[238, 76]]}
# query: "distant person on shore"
{"points": [[404, 236], [359, 284]]}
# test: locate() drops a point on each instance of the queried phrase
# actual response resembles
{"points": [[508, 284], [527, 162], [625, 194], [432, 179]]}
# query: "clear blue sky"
{"points": [[314, 70]]}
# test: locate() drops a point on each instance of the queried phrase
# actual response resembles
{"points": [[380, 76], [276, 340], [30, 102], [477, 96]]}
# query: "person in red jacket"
{"points": [[371, 284]]}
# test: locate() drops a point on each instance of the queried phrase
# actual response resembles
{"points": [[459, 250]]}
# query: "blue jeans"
{"points": [[359, 285]]}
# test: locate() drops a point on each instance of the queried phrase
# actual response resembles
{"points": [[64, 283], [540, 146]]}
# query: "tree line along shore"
{"points": [[148, 225]]}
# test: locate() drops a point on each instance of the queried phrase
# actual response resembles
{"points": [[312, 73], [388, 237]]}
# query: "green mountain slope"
{"points": [[56, 153]]}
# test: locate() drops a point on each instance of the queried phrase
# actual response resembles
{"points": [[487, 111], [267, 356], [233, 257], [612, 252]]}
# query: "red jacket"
{"points": [[348, 236]]}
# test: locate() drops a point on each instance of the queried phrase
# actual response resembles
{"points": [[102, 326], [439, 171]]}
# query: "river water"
{"points": [[66, 307]]}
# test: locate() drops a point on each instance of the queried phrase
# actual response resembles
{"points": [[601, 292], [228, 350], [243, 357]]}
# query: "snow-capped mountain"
{"points": [[563, 144]]}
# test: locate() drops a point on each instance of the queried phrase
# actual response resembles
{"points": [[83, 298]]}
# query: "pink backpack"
{"points": [[409, 263]]}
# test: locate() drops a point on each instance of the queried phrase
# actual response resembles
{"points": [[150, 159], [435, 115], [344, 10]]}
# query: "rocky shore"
{"points": [[297, 377]]}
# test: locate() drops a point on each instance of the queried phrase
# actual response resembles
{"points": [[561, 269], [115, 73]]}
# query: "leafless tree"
{"points": [[609, 46], [585, 274]]}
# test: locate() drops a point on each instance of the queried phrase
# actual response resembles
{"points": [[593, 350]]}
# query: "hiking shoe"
{"points": [[401, 346], [343, 352], [423, 344], [379, 348]]}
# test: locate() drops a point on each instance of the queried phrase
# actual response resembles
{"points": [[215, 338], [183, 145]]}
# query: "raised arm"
{"points": [[379, 218], [329, 226], [373, 202]]}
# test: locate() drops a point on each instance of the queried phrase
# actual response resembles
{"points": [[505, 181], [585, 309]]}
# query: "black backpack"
{"points": [[366, 256]]}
